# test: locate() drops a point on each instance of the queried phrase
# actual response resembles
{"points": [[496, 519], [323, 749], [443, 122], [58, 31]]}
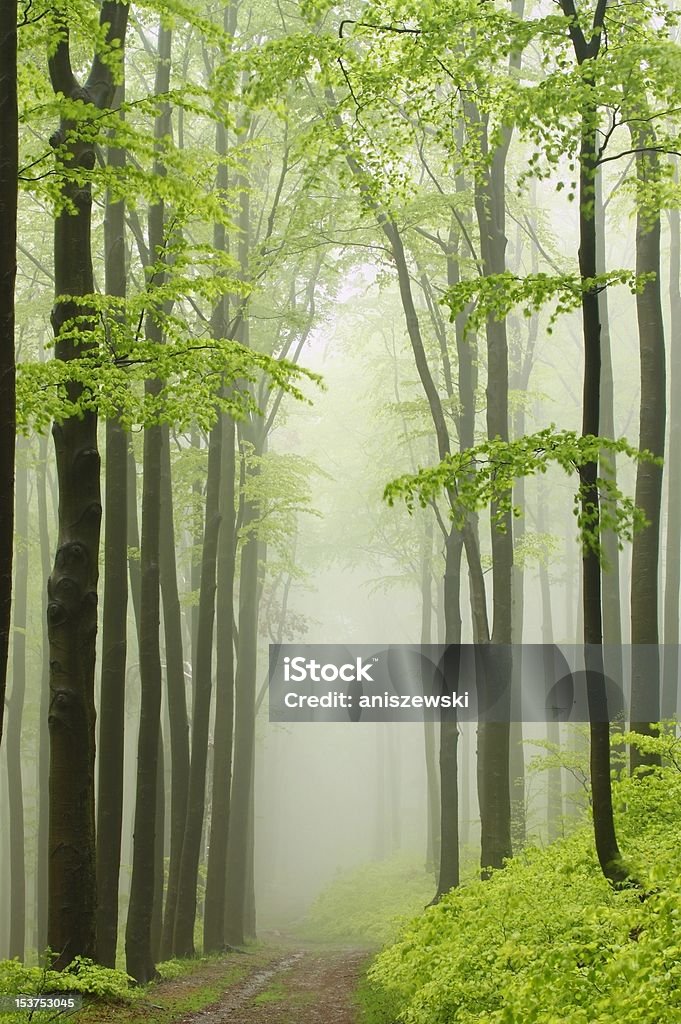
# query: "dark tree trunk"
{"points": [[611, 603], [608, 852], [114, 621], [177, 697], [139, 961], [244, 724], [448, 875], [554, 802], [607, 849], [214, 919], [72, 606], [672, 584], [519, 383], [43, 773], [250, 923], [203, 669], [432, 783], [9, 170], [138, 934], [494, 738], [17, 846], [645, 557], [159, 852], [604, 826]]}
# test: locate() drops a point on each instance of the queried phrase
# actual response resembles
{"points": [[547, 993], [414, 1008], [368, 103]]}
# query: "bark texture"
{"points": [[645, 557], [15, 785], [72, 590], [9, 169], [138, 933], [607, 849], [114, 621], [203, 669]]}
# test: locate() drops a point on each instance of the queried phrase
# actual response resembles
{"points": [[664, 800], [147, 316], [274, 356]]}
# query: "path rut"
{"points": [[302, 987]]}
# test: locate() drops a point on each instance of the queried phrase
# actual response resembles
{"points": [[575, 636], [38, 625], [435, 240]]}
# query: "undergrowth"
{"points": [[546, 939]]}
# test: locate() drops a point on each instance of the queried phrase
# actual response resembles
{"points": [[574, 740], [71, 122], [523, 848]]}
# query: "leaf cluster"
{"points": [[485, 475]]}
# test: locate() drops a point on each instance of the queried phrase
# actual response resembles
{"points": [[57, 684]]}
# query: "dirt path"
{"points": [[303, 987]]}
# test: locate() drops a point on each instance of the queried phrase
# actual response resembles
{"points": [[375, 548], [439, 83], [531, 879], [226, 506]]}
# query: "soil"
{"points": [[306, 986]]}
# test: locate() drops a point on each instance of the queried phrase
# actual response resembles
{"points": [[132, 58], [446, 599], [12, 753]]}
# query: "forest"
{"points": [[339, 328]]}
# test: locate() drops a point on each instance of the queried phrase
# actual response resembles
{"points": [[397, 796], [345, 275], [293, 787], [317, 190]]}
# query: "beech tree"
{"points": [[72, 608], [9, 172]]}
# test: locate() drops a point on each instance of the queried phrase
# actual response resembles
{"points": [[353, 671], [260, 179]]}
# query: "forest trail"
{"points": [[306, 986], [289, 983]]}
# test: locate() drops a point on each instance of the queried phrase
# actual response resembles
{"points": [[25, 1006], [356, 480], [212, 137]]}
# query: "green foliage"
{"points": [[366, 905], [82, 977], [109, 381], [486, 474], [547, 939], [495, 295], [281, 487]]}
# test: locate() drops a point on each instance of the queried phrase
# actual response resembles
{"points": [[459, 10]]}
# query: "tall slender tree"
{"points": [[138, 932], [645, 556], [115, 618], [17, 928], [72, 605], [9, 176], [177, 697], [586, 51], [672, 584], [202, 672]]}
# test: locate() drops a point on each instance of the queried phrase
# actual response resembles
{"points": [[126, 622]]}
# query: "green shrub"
{"points": [[81, 976], [547, 940]]}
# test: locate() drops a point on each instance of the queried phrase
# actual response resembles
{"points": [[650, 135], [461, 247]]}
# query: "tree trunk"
{"points": [[138, 937], [177, 701], [432, 784], [672, 584], [494, 737], [159, 852], [607, 849], [448, 876], [43, 773], [612, 614], [244, 731], [554, 801], [203, 669], [177, 696], [114, 622], [17, 848], [139, 961], [214, 919], [72, 606], [9, 170], [134, 569], [608, 852], [645, 681]]}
